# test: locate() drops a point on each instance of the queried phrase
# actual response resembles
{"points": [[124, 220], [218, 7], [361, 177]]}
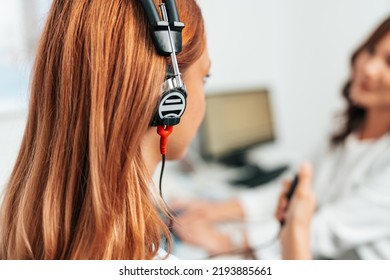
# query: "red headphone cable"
{"points": [[164, 132]]}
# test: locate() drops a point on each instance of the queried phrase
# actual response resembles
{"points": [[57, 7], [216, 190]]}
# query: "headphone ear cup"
{"points": [[170, 108]]}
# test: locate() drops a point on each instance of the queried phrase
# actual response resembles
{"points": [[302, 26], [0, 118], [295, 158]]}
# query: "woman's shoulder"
{"points": [[381, 154]]}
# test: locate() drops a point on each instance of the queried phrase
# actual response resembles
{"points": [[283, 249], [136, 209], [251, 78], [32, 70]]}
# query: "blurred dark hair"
{"points": [[354, 116]]}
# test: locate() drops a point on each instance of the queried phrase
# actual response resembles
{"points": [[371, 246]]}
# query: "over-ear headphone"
{"points": [[167, 39]]}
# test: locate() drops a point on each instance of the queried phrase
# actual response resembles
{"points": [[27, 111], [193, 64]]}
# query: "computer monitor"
{"points": [[235, 122]]}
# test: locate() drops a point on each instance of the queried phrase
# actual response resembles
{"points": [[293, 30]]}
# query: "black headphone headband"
{"points": [[159, 27]]}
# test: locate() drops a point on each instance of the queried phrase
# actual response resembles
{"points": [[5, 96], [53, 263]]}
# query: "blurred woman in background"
{"points": [[352, 174]]}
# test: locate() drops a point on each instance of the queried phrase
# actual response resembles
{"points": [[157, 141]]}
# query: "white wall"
{"points": [[299, 49], [11, 131]]}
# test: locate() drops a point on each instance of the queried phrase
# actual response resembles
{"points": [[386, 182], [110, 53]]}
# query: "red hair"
{"points": [[80, 187]]}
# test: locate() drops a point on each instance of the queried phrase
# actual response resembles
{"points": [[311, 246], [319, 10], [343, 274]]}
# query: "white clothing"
{"points": [[161, 254], [352, 185]]}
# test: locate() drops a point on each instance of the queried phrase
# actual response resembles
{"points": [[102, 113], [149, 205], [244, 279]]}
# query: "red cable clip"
{"points": [[164, 132]]}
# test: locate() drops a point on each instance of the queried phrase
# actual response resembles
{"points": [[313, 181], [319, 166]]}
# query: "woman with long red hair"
{"points": [[81, 185]]}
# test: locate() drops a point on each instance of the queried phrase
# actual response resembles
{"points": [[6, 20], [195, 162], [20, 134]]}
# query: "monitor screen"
{"points": [[235, 122]]}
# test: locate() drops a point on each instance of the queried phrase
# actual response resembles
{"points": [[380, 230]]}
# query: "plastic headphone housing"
{"points": [[172, 104], [159, 28]]}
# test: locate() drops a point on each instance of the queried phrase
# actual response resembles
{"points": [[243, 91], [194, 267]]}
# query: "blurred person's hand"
{"points": [[200, 233], [196, 222], [297, 215], [208, 211]]}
